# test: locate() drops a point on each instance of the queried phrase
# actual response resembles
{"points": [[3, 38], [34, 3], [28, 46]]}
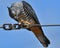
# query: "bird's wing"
{"points": [[37, 30]]}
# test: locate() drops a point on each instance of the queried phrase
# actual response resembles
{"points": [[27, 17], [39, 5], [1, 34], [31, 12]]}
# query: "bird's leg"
{"points": [[24, 24]]}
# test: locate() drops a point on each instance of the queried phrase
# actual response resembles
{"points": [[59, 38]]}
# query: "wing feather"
{"points": [[37, 30]]}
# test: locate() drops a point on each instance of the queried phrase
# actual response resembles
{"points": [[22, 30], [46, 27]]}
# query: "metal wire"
{"points": [[22, 0], [1, 26], [51, 25], [14, 26], [48, 25]]}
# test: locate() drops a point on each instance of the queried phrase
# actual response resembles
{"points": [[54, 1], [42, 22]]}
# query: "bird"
{"points": [[24, 14]]}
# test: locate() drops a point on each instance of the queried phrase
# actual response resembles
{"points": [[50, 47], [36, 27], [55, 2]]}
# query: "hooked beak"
{"points": [[8, 8]]}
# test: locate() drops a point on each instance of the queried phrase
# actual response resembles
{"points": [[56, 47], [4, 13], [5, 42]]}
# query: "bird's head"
{"points": [[15, 9]]}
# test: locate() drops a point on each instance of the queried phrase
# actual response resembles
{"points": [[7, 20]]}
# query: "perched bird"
{"points": [[23, 13]]}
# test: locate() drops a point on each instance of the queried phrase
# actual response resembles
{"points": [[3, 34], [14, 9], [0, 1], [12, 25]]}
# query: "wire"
{"points": [[18, 26], [1, 26], [22, 0], [48, 25]]}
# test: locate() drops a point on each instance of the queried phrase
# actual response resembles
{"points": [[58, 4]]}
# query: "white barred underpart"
{"points": [[17, 8]]}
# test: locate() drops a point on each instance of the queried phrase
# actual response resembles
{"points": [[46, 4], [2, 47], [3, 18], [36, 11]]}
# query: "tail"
{"points": [[44, 41], [40, 36]]}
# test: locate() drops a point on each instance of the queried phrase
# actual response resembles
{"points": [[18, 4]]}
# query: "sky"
{"points": [[48, 12]]}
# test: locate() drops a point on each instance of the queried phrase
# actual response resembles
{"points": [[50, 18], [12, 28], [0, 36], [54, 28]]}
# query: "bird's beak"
{"points": [[8, 8]]}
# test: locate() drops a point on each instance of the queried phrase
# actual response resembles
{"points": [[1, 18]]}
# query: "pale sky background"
{"points": [[48, 12]]}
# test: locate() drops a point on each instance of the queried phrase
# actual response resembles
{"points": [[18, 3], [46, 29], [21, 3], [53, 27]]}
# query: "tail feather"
{"points": [[40, 36], [44, 41]]}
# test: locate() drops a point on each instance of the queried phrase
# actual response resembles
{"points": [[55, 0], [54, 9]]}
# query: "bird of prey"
{"points": [[23, 13]]}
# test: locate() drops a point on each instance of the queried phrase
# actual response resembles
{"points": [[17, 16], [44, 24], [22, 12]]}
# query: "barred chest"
{"points": [[25, 18]]}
